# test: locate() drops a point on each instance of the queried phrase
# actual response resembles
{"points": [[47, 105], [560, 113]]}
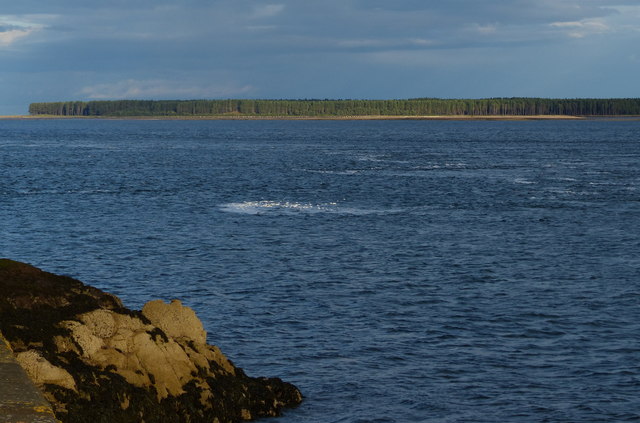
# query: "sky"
{"points": [[59, 50]]}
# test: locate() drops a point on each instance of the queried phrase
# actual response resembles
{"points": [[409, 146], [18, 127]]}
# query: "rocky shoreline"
{"points": [[96, 361]]}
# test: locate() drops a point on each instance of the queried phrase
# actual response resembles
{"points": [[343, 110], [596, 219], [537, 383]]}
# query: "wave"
{"points": [[35, 191], [371, 158], [334, 172], [523, 181], [292, 208]]}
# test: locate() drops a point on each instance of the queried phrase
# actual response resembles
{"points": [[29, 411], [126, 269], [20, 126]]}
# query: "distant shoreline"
{"points": [[307, 109], [363, 117]]}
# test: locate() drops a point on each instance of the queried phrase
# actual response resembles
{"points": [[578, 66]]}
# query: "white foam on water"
{"points": [[446, 166], [17, 144], [523, 181], [293, 208], [457, 165], [569, 192], [371, 158], [97, 146], [64, 192], [379, 158], [334, 172], [258, 207]]}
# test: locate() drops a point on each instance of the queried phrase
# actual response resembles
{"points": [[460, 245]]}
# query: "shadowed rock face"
{"points": [[97, 361]]}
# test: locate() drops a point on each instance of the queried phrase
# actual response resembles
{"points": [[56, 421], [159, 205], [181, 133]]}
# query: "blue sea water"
{"points": [[412, 271]]}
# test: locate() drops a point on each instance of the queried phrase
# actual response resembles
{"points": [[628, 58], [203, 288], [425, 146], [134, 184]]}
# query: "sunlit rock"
{"points": [[97, 361]]}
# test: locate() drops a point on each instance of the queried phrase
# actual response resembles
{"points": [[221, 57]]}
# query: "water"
{"points": [[395, 271]]}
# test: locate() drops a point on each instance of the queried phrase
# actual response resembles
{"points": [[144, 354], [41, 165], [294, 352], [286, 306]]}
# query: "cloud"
{"points": [[9, 37], [390, 43], [486, 29], [299, 48], [512, 11], [254, 28], [582, 28], [267, 11], [436, 58], [14, 28], [144, 89]]}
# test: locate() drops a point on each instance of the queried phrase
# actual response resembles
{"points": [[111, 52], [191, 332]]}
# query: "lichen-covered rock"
{"points": [[42, 372], [175, 320], [96, 361]]}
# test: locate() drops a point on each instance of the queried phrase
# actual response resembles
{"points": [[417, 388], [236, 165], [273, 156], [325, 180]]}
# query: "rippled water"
{"points": [[395, 271]]}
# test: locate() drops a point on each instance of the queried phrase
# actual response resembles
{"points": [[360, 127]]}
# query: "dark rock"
{"points": [[96, 361]]}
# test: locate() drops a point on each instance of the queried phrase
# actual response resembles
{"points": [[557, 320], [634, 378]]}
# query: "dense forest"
{"points": [[344, 108]]}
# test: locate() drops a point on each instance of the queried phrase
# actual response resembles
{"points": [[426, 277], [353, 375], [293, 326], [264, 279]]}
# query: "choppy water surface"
{"points": [[394, 271]]}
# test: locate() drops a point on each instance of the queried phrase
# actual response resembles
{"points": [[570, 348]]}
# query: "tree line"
{"points": [[344, 108]]}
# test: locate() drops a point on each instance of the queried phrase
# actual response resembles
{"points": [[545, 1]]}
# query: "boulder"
{"points": [[175, 320], [97, 361]]}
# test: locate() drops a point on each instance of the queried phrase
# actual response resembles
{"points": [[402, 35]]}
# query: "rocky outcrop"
{"points": [[96, 361]]}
